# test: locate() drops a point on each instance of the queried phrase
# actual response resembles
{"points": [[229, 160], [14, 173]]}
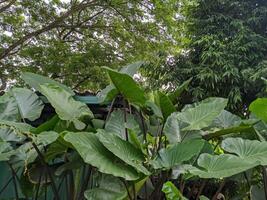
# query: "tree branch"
{"points": [[49, 27]]}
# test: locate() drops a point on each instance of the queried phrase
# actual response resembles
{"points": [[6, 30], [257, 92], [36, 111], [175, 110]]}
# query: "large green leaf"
{"points": [[127, 87], [172, 129], [124, 150], [36, 80], [176, 154], [226, 119], [5, 152], [250, 150], [29, 104], [8, 108], [110, 92], [203, 114], [45, 138], [259, 108], [95, 153], [110, 188], [171, 192], [116, 124], [220, 166], [66, 107], [164, 103], [178, 91]]}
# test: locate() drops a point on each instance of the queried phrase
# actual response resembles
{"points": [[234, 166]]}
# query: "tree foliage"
{"points": [[223, 50]]}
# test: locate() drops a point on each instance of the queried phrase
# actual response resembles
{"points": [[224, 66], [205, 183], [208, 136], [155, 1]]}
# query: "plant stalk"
{"points": [[264, 176]]}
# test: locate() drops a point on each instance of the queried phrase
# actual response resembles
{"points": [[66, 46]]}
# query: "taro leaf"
{"points": [[66, 107], [18, 127], [8, 134], [164, 103], [259, 108], [29, 104], [45, 138], [5, 151], [203, 198], [249, 150], [226, 119], [107, 94], [171, 129], [110, 188], [220, 166], [127, 87], [178, 153], [116, 124], [95, 153], [48, 125], [123, 150], [257, 193], [55, 149], [178, 91], [36, 80], [132, 69], [202, 115], [110, 92], [171, 192], [8, 108]]}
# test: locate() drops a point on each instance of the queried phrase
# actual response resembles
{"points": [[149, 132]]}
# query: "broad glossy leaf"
{"points": [[18, 126], [226, 119], [45, 138], [127, 87], [171, 192], [250, 150], [36, 80], [29, 104], [203, 114], [259, 108], [110, 92], [95, 153], [123, 150], [164, 103], [9, 134], [179, 90], [107, 94], [5, 151], [220, 166], [176, 154], [115, 124], [172, 129], [66, 107], [110, 188], [8, 108]]}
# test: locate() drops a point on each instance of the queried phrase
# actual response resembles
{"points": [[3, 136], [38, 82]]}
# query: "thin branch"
{"points": [[2, 9], [49, 27]]}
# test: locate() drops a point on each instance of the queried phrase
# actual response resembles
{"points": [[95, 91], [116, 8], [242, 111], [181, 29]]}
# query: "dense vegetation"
{"points": [[147, 148]]}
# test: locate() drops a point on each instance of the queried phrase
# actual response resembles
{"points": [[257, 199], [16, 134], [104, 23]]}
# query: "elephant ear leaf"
{"points": [[123, 150], [171, 192], [220, 166], [250, 150], [203, 114], [96, 154], [5, 152], [110, 187], [127, 87], [66, 107], [36, 80], [178, 153], [29, 104], [172, 129], [8, 107], [259, 108]]}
